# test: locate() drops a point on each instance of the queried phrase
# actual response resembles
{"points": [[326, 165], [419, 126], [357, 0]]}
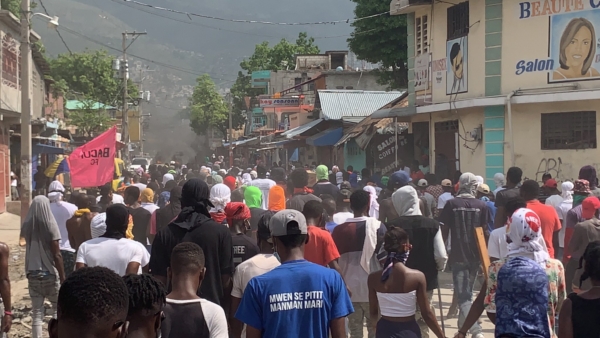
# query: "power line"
{"points": [[183, 70], [190, 14], [59, 35]]}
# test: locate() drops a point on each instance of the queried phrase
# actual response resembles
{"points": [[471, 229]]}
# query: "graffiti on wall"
{"points": [[548, 165], [560, 171]]}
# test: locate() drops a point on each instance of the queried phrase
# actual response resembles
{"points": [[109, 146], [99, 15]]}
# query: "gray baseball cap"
{"points": [[288, 222]]}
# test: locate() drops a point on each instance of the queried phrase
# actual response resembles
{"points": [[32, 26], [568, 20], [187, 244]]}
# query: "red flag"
{"points": [[93, 164]]}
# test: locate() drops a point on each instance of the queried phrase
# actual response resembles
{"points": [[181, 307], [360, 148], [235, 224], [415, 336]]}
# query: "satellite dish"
{"points": [[339, 69]]}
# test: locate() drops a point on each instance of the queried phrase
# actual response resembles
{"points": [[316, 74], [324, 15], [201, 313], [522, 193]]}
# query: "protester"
{"points": [[430, 201], [343, 207], [500, 182], [322, 302], [107, 197], [549, 218], [460, 216], [329, 208], [230, 182], [324, 186], [62, 212], [113, 250], [79, 226], [428, 252], [194, 224], [147, 199], [434, 188], [396, 291], [484, 194], [261, 263], [588, 173], [43, 261], [253, 198], [92, 302], [301, 193], [509, 191], [320, 248], [6, 307], [186, 314], [398, 180], [146, 303], [585, 233], [166, 178], [238, 219], [523, 294], [358, 240], [165, 215], [374, 205], [549, 193], [136, 182], [497, 245], [445, 196], [579, 316], [276, 199], [220, 195], [416, 173], [264, 184], [98, 225], [140, 216], [581, 190]]}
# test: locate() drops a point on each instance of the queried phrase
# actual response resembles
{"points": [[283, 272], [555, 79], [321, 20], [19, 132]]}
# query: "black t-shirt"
{"points": [[184, 319], [215, 241], [326, 188], [503, 196], [421, 232], [298, 201], [462, 216], [244, 247], [141, 220], [255, 215]]}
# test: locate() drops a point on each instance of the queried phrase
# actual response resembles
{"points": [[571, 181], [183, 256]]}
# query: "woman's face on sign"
{"points": [[579, 47]]}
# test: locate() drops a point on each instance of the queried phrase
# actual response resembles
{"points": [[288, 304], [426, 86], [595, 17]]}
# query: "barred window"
{"points": [[451, 125], [458, 20], [572, 130]]}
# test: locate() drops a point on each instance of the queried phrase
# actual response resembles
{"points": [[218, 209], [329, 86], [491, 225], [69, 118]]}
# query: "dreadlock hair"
{"points": [[590, 262], [147, 296], [393, 239], [187, 257], [359, 200], [93, 296]]}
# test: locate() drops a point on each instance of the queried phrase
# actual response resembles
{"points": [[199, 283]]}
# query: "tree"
{"points": [[382, 40], [89, 76], [90, 121], [207, 108]]}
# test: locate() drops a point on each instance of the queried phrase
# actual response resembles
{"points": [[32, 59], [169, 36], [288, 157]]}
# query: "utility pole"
{"points": [[26, 153], [125, 76], [230, 106]]}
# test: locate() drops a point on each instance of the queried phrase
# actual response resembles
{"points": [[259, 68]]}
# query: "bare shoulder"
{"points": [[374, 277], [4, 250]]}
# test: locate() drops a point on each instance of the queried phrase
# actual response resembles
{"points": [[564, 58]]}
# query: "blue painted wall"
{"points": [[354, 156], [494, 142]]}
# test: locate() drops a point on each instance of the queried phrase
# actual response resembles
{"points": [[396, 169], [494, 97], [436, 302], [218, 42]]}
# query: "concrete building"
{"points": [[500, 83]]}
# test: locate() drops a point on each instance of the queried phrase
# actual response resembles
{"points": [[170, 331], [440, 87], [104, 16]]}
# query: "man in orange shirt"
{"points": [[530, 191], [321, 248]]}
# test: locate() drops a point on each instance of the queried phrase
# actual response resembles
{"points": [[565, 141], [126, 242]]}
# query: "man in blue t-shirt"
{"points": [[297, 298]]}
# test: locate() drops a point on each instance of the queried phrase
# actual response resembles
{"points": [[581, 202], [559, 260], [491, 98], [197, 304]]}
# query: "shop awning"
{"points": [[326, 138], [403, 114], [301, 129], [46, 149]]}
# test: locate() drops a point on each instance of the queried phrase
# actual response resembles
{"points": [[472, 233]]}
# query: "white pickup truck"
{"points": [[138, 162]]}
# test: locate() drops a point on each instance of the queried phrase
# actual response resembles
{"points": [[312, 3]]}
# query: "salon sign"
{"points": [[573, 40]]}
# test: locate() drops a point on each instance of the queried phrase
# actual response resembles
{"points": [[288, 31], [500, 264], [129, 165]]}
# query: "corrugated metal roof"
{"points": [[336, 104], [299, 130]]}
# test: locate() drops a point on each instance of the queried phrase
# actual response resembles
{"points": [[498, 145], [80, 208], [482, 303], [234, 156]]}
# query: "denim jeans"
{"points": [[41, 289], [356, 321], [463, 277]]}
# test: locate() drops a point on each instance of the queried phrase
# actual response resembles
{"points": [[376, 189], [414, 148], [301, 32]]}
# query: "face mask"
{"points": [[403, 257]]}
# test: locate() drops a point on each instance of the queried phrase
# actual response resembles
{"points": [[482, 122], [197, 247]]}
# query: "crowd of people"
{"points": [[201, 251]]}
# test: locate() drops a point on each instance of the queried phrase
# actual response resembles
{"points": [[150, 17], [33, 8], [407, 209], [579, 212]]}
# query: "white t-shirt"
{"points": [[341, 217], [13, 181], [113, 254], [151, 207], [214, 316], [264, 184], [62, 212], [255, 266], [445, 197], [497, 245], [140, 186], [117, 199]]}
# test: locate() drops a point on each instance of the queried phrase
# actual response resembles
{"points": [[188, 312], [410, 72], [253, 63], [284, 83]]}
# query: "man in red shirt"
{"points": [[530, 191], [321, 248]]}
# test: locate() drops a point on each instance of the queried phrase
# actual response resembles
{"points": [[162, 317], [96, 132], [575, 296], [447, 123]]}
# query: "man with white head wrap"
{"points": [[460, 216], [428, 253], [500, 182], [562, 208], [62, 211], [166, 178]]}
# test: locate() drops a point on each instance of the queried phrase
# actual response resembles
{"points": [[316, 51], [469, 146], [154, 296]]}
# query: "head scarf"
{"points": [[117, 219], [467, 185], [254, 174], [582, 188], [39, 218], [339, 177], [246, 179], [230, 182], [499, 180], [253, 197], [98, 225], [166, 214], [406, 201], [220, 195], [222, 172], [55, 191], [194, 203], [236, 211], [385, 180], [276, 198], [588, 173], [567, 191], [166, 178], [322, 172], [147, 196], [525, 233], [217, 179], [163, 199], [374, 207], [479, 180]]}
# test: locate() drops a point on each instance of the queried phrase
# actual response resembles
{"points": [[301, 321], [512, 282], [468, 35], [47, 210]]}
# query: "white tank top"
{"points": [[397, 304]]}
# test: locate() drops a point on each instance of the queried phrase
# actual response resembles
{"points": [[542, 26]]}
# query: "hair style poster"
{"points": [[457, 62], [574, 46]]}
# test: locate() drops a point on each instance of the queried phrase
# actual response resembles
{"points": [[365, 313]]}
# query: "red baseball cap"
{"points": [[551, 183], [589, 207]]}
